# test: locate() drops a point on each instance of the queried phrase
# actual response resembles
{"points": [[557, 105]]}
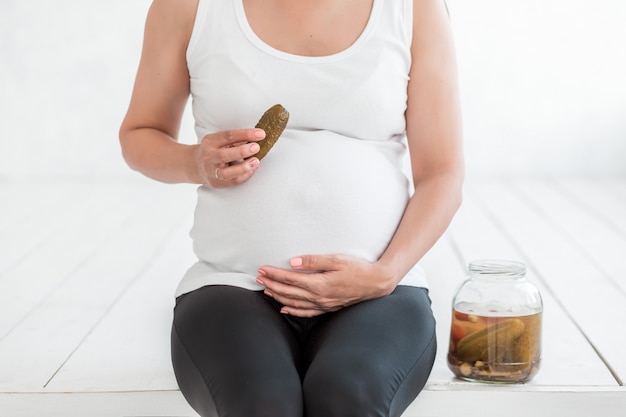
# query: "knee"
{"points": [[234, 392], [242, 399], [265, 401], [367, 387], [345, 393]]}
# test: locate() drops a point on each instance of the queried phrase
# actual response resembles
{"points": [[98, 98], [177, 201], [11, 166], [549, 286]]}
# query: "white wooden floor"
{"points": [[88, 271]]}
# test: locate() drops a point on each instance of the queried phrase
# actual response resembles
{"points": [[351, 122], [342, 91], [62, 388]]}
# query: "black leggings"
{"points": [[236, 355]]}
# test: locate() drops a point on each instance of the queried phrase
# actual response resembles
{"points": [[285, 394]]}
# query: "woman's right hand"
{"points": [[224, 159]]}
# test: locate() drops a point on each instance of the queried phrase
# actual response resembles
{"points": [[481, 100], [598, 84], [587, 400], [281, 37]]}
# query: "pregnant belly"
{"points": [[304, 199]]}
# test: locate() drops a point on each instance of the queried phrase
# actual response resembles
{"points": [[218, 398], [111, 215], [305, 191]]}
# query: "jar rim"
{"points": [[497, 267]]}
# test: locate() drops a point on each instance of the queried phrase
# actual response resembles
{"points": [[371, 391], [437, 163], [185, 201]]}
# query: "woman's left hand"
{"points": [[322, 283]]}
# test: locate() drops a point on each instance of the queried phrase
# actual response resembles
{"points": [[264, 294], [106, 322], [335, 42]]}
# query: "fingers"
{"points": [[228, 138], [228, 175], [320, 283], [232, 145], [299, 294], [283, 285], [317, 263], [303, 312], [300, 283], [296, 301], [287, 283], [226, 158]]}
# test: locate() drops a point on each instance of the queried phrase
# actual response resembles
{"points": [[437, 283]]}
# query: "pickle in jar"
{"points": [[495, 349]]}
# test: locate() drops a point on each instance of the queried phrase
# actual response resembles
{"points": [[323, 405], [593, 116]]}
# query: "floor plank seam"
{"points": [[601, 217], [569, 237], [545, 283], [143, 270]]}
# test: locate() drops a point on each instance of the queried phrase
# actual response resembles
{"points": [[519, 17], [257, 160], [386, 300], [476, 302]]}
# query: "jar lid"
{"points": [[497, 267]]}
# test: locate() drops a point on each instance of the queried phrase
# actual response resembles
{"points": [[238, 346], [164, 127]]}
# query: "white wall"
{"points": [[543, 85], [65, 80]]}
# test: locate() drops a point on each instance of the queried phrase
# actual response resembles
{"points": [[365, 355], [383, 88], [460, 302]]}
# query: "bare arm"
{"points": [[434, 131], [149, 132]]}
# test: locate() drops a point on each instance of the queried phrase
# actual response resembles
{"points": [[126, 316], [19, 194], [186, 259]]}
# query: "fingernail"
{"points": [[269, 294], [295, 262], [254, 162], [262, 272], [260, 281], [259, 133], [254, 147]]}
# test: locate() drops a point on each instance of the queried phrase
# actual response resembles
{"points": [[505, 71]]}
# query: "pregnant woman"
{"points": [[306, 299]]}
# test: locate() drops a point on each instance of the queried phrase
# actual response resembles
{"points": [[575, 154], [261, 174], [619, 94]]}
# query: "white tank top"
{"points": [[334, 182]]}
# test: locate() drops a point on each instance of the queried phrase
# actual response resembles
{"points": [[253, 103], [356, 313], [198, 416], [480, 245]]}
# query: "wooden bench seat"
{"points": [[88, 271]]}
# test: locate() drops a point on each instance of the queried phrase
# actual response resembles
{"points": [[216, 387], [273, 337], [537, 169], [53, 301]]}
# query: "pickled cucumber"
{"points": [[484, 343], [273, 122]]}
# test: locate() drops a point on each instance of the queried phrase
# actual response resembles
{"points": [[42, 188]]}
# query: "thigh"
{"points": [[233, 354], [373, 358]]}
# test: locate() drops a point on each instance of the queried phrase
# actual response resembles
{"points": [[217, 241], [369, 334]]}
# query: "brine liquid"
{"points": [[495, 349]]}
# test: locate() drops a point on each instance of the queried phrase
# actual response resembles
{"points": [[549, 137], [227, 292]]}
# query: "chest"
{"points": [[308, 28], [359, 92]]}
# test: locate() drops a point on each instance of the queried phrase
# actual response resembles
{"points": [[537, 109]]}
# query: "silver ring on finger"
{"points": [[217, 174]]}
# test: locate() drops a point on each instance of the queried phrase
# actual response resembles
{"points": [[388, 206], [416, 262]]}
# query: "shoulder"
{"points": [[172, 18], [425, 11], [431, 26]]}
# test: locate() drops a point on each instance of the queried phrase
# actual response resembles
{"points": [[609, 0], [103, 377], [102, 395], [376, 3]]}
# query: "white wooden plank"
{"points": [[498, 401], [54, 261], [51, 332], [587, 296], [491, 401], [568, 358], [20, 199], [132, 342], [616, 187], [116, 404], [594, 215], [45, 214], [476, 236], [602, 198]]}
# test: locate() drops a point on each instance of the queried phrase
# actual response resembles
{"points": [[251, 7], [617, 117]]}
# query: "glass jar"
{"points": [[496, 324]]}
